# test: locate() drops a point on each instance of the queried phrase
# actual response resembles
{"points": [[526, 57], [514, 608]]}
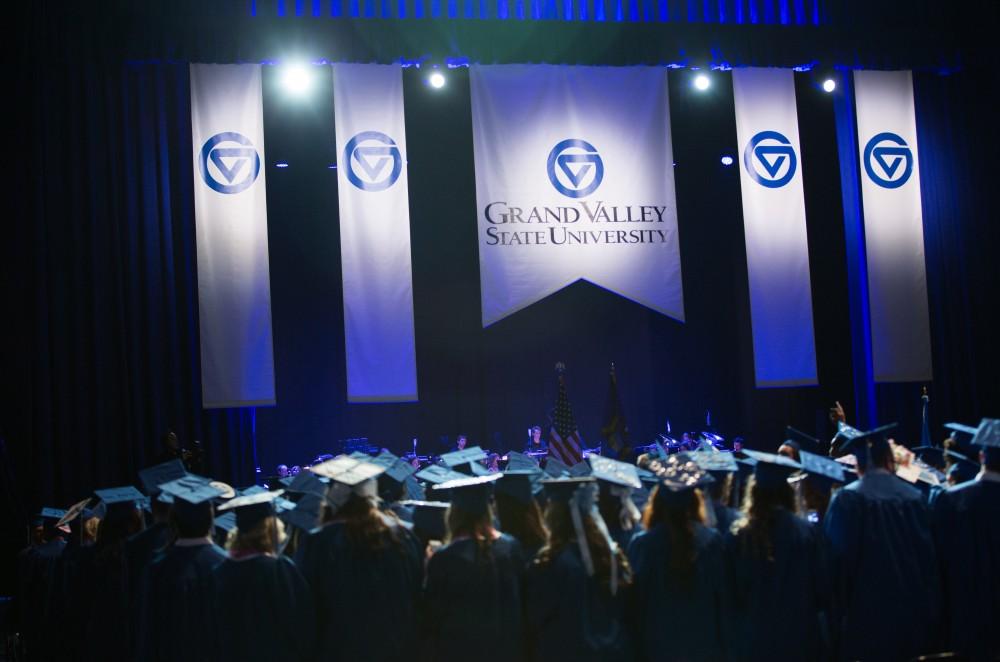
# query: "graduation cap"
{"points": [[802, 440], [613, 471], [413, 490], [987, 437], [306, 482], [518, 460], [962, 434], [74, 511], [562, 490], [860, 445], [716, 463], [580, 469], [152, 477], [349, 476], [771, 469], [119, 498], [246, 491], [428, 518], [822, 467], [962, 469], [190, 489], [227, 491], [358, 455], [678, 473], [225, 523], [556, 468], [252, 509], [305, 516], [471, 456], [52, 515], [436, 474], [471, 494]]}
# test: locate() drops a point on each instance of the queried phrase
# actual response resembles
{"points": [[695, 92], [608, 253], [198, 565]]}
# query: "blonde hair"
{"points": [[264, 537]]}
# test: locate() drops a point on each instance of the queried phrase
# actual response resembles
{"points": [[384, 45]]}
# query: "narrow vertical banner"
{"points": [[375, 233], [894, 226], [774, 217], [230, 202]]}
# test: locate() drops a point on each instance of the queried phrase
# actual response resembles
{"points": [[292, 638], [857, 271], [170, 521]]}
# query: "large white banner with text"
{"points": [[375, 233], [774, 221], [574, 180], [894, 226], [230, 201]]}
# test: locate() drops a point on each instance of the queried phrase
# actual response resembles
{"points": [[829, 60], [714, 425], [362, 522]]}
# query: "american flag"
{"points": [[564, 439]]}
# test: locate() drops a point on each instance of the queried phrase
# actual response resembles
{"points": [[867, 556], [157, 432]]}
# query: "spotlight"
{"points": [[281, 164], [436, 80], [829, 85], [297, 79], [727, 160], [702, 82]]}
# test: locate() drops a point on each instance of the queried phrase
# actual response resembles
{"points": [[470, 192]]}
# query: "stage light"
{"points": [[436, 80], [829, 85], [702, 82], [281, 164], [297, 79], [727, 160]]}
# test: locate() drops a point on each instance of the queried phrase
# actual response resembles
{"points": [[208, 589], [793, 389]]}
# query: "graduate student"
{"points": [[364, 570], [263, 606], [575, 590], [473, 594], [967, 531], [886, 586], [678, 606], [776, 570], [518, 511], [179, 620]]}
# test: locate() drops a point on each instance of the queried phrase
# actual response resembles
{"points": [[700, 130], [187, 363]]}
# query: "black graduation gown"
{"points": [[786, 593], [263, 610], [38, 595], [180, 614], [886, 586], [75, 599], [673, 622], [967, 530], [140, 550], [473, 604], [364, 601], [724, 517], [570, 616]]}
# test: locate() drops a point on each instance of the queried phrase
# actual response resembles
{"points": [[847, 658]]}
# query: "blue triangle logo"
{"points": [[373, 159], [585, 162], [897, 156], [780, 154], [241, 155]]}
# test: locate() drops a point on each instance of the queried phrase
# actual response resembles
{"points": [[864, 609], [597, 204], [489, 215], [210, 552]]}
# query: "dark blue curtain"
{"points": [[101, 352]]}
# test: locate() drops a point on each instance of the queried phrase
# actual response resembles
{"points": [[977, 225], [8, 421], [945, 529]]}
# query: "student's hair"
{"points": [[91, 526], [523, 521], [478, 526], [114, 530], [366, 527], [264, 537], [760, 506], [561, 533], [721, 490], [678, 512]]}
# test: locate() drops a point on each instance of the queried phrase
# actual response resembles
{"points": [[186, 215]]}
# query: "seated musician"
{"points": [[536, 444]]}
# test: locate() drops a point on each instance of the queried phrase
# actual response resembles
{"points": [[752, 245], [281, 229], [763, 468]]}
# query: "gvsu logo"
{"points": [[888, 160], [770, 159], [229, 162], [373, 161], [575, 168]]}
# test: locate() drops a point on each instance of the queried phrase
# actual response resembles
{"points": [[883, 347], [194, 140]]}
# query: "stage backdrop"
{"points": [[574, 180]]}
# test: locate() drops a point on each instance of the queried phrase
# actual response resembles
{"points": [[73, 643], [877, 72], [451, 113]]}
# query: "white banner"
{"points": [[375, 233], [574, 180], [774, 220], [894, 226], [230, 202]]}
